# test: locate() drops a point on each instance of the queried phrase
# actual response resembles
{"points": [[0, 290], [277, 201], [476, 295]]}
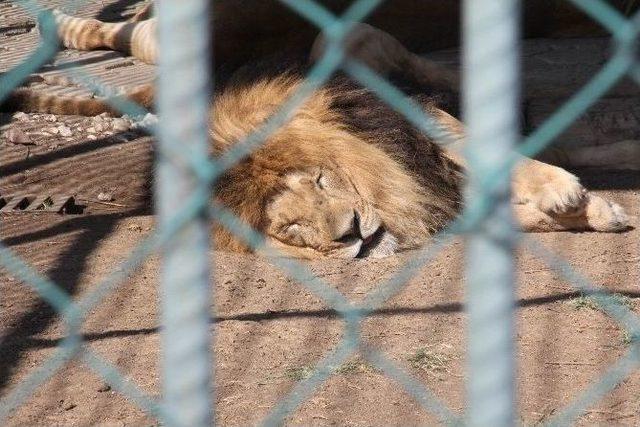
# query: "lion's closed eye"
{"points": [[292, 228]]}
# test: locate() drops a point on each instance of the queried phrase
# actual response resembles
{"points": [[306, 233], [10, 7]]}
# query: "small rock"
{"points": [[64, 130], [98, 127], [91, 130], [149, 120], [69, 406], [21, 117], [50, 118], [120, 125], [92, 137], [104, 387], [17, 136], [105, 197], [52, 131], [134, 227]]}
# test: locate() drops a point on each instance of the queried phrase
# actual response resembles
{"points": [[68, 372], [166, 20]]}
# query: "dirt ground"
{"points": [[269, 330]]}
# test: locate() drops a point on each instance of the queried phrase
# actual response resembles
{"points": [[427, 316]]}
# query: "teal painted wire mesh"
{"points": [[624, 61]]}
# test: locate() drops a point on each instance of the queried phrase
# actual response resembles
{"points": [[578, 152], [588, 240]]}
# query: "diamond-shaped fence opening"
{"points": [[491, 50]]}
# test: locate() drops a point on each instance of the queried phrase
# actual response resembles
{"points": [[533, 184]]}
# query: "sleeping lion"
{"points": [[346, 176]]}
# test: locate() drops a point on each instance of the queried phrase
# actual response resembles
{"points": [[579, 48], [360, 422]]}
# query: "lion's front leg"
{"points": [[545, 197], [548, 198]]}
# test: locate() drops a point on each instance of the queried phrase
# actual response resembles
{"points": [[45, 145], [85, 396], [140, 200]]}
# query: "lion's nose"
{"points": [[351, 231]]}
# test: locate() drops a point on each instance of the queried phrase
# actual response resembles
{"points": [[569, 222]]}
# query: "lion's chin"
{"points": [[379, 245]]}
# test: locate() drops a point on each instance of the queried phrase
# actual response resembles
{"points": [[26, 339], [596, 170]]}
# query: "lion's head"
{"points": [[320, 213], [315, 188]]}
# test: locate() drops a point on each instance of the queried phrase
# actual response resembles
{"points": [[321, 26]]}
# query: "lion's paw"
{"points": [[606, 216], [562, 195]]}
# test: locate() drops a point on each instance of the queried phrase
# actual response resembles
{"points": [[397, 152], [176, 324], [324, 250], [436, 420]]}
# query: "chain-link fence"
{"points": [[491, 79]]}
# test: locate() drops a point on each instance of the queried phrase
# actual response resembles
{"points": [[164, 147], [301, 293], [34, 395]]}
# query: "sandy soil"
{"points": [[269, 330]]}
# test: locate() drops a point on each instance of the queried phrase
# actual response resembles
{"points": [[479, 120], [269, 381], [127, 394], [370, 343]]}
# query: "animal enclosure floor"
{"points": [[269, 330]]}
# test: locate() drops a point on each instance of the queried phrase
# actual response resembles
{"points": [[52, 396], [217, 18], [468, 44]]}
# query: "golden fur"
{"points": [[276, 186]]}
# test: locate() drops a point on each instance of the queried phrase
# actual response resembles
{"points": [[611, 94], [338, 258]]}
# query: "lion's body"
{"points": [[345, 176]]}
